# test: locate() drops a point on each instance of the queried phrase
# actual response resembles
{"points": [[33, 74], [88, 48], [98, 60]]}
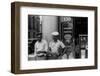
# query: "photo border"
{"points": [[15, 37]]}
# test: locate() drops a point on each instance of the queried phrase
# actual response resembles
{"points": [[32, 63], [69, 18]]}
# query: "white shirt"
{"points": [[41, 46], [55, 46]]}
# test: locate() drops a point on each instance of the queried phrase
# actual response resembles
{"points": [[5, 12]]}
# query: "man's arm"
{"points": [[62, 49], [62, 44], [35, 48]]}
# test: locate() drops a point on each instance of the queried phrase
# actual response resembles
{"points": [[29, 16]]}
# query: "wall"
{"points": [[49, 25], [5, 38]]}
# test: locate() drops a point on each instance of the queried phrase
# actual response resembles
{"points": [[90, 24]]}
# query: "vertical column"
{"points": [[49, 25]]}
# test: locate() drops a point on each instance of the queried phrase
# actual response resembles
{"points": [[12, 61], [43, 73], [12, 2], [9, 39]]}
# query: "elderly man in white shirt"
{"points": [[41, 48], [56, 46]]}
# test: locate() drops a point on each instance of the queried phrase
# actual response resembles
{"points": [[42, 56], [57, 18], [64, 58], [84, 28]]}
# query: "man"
{"points": [[77, 49], [69, 43], [41, 48], [56, 46]]}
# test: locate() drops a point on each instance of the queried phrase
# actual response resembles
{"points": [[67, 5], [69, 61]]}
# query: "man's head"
{"points": [[68, 38], [55, 36], [39, 35]]}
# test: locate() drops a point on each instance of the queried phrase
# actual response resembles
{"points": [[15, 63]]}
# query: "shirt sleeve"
{"points": [[35, 46], [62, 44], [49, 47]]}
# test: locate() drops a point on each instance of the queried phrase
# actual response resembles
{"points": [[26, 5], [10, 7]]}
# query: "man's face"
{"points": [[68, 40], [55, 38], [39, 37]]}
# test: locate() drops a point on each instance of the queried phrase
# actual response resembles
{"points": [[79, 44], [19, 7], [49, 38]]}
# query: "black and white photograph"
{"points": [[53, 37], [57, 37]]}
